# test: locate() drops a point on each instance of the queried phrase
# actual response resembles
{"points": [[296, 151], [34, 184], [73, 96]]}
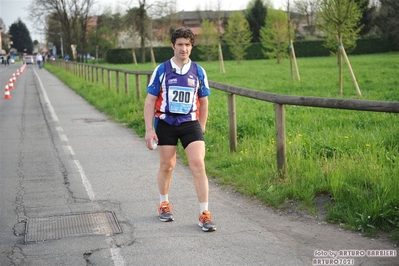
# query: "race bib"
{"points": [[180, 99]]}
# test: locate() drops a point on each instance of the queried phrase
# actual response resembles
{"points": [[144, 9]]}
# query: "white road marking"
{"points": [[115, 251]]}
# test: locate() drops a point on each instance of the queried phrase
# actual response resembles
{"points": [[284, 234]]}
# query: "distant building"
{"points": [[162, 27], [6, 39], [91, 23]]}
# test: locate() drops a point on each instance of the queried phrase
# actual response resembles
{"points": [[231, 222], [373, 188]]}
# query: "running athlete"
{"points": [[176, 107]]}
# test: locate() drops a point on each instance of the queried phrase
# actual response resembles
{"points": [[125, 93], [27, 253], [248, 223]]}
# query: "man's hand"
{"points": [[150, 136]]}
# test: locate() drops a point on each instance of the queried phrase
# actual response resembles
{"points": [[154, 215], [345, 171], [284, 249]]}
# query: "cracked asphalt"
{"points": [[61, 156]]}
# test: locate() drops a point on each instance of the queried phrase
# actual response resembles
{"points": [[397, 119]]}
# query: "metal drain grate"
{"points": [[56, 227]]}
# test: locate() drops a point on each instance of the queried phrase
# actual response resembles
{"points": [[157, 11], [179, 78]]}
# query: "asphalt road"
{"points": [[60, 157]]}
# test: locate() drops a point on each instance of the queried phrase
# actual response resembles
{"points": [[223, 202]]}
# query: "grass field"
{"points": [[350, 156]]}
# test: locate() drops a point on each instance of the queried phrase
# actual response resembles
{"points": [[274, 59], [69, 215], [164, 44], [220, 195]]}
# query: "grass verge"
{"points": [[351, 156]]}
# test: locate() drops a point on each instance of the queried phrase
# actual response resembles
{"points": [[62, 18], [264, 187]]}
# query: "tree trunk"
{"points": [[340, 70], [143, 49], [134, 56]]}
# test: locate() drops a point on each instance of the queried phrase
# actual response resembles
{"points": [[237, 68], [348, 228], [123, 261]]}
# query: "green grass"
{"points": [[350, 155]]}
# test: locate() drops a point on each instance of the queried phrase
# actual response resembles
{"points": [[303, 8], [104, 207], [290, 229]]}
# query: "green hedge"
{"points": [[363, 46], [119, 56], [310, 48], [373, 46], [302, 49]]}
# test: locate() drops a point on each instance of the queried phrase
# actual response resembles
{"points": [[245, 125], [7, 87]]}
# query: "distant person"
{"points": [[39, 60], [8, 59], [176, 107], [67, 58]]}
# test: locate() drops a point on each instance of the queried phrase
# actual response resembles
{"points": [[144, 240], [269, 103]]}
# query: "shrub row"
{"points": [[302, 49]]}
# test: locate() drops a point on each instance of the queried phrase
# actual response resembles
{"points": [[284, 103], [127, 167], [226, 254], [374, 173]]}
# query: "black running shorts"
{"points": [[187, 132]]}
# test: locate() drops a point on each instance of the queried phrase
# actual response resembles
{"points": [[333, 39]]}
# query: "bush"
{"points": [[373, 46], [119, 56]]}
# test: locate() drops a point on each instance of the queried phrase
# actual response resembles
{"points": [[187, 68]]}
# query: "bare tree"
{"points": [[72, 15], [82, 10], [165, 19], [131, 20], [2, 25], [309, 9], [143, 26], [159, 9], [142, 18]]}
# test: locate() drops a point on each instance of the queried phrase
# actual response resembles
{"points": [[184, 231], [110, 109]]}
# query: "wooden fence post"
{"points": [[117, 81], [138, 86], [232, 122], [126, 83], [148, 79], [280, 139], [109, 79]]}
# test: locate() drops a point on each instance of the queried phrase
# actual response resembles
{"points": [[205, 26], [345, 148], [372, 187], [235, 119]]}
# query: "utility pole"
{"points": [[1, 43]]}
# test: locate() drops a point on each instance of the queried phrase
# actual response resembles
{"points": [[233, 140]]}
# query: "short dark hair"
{"points": [[183, 32]]}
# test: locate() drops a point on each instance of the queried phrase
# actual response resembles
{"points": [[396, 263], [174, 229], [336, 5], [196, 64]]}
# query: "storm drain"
{"points": [[83, 224]]}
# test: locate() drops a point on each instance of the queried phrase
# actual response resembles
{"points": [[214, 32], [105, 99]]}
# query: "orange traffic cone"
{"points": [[11, 85], [14, 79], [7, 94]]}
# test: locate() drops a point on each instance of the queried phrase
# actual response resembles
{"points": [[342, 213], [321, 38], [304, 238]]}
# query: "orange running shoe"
{"points": [[164, 212], [205, 222]]}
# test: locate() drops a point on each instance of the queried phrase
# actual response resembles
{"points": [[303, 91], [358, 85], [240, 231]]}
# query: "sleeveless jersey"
{"points": [[178, 94]]}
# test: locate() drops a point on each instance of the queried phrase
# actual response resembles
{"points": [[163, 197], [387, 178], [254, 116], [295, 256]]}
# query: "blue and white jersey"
{"points": [[178, 91]]}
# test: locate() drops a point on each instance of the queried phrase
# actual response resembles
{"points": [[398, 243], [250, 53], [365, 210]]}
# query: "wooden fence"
{"points": [[91, 73]]}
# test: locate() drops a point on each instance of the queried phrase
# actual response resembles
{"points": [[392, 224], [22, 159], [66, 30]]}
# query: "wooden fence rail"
{"points": [[278, 100]]}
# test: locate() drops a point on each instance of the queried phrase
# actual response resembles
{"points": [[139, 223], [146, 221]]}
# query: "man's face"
{"points": [[182, 49]]}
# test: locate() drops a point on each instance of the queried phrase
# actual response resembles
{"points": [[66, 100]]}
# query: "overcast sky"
{"points": [[11, 10]]}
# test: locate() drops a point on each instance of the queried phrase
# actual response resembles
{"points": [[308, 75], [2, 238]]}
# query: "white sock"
{"points": [[163, 198], [203, 207]]}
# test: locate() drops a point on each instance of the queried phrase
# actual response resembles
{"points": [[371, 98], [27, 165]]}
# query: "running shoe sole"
{"points": [[211, 229]]}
